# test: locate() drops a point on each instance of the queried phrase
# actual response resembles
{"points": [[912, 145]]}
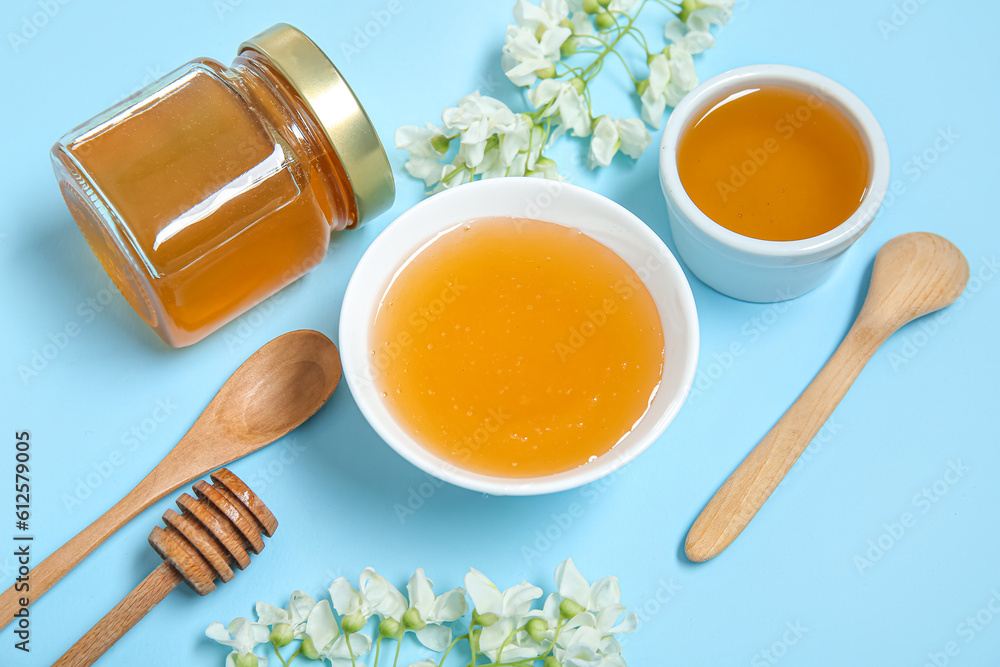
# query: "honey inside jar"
{"points": [[517, 348], [219, 206], [774, 163], [214, 187]]}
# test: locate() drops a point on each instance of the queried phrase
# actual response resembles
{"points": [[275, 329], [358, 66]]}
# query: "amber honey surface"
{"points": [[774, 163], [516, 347]]}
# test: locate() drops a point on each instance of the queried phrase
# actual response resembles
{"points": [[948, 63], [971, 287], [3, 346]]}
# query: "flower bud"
{"points": [[412, 620], [570, 608], [551, 662], [641, 86], [308, 649], [546, 72], [484, 620], [544, 162], [440, 143], [246, 660], [604, 3], [578, 84], [604, 20], [568, 47], [390, 628], [281, 635], [591, 6], [566, 23], [688, 6], [536, 628], [352, 623]]}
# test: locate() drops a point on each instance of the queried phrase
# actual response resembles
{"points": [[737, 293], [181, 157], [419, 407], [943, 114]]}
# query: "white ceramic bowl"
{"points": [[598, 217], [754, 269]]}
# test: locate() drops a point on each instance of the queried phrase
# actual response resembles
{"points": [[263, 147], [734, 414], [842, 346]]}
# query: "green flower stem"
{"points": [[284, 662], [670, 6], [453, 643], [640, 40], [610, 47], [509, 639], [350, 651], [625, 64], [399, 644], [541, 656], [472, 648], [378, 647], [455, 172]]}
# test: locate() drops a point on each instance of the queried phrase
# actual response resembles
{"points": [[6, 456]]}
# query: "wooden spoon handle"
{"points": [[162, 480], [149, 593], [744, 493]]}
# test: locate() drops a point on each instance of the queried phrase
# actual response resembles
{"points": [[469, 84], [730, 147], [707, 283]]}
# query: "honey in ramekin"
{"points": [[774, 162]]}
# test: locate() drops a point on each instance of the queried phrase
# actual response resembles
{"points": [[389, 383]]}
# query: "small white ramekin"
{"points": [[754, 269], [551, 201]]}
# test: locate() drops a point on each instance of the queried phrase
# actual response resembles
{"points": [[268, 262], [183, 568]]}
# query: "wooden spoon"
{"points": [[914, 274], [280, 386]]}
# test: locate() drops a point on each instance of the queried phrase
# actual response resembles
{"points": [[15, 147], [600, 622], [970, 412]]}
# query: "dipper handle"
{"points": [[149, 593]]}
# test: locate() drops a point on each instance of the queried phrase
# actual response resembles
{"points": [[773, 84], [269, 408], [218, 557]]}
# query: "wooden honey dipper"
{"points": [[213, 533]]}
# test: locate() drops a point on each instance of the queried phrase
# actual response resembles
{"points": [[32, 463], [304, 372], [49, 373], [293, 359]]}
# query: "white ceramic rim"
{"points": [[354, 337], [810, 249]]}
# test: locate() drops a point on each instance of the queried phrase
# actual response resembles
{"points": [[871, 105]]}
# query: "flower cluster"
{"points": [[576, 625], [555, 49]]}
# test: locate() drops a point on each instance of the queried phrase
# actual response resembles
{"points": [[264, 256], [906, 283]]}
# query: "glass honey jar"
{"points": [[214, 187]]}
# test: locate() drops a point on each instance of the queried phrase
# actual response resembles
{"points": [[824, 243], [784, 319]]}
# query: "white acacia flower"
{"points": [[566, 102], [476, 118], [670, 79], [243, 636], [589, 633], [693, 34], [549, 13], [295, 615], [433, 611], [330, 644], [628, 135], [507, 609], [583, 645], [600, 600], [545, 168], [526, 55], [687, 37], [498, 155], [424, 145], [691, 6], [375, 596]]}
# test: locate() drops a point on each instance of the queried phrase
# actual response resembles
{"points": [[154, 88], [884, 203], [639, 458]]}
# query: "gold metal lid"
{"points": [[338, 111]]}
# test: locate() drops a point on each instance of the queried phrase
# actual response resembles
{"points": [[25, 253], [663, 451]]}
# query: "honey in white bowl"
{"points": [[517, 348], [774, 162]]}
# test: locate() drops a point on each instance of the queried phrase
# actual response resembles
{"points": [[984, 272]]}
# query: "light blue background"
{"points": [[927, 399]]}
